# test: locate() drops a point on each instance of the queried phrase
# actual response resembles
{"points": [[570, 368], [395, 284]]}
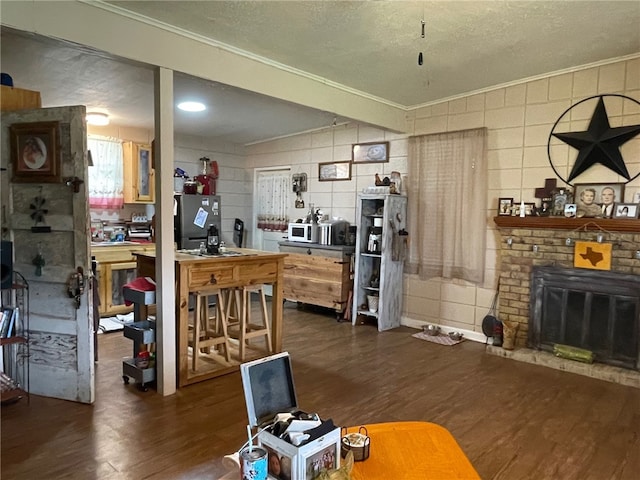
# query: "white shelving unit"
{"points": [[380, 273]]}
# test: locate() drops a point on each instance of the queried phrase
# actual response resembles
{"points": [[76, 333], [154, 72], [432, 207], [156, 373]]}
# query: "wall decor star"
{"points": [[599, 144]]}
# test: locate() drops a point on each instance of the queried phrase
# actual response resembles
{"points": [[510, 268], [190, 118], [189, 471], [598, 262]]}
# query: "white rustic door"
{"points": [[61, 353]]}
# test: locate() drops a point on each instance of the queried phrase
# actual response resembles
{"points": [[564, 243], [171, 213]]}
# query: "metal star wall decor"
{"points": [[599, 144]]}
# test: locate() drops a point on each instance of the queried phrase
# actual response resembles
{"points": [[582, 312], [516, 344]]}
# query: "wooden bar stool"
{"points": [[241, 326], [206, 334]]}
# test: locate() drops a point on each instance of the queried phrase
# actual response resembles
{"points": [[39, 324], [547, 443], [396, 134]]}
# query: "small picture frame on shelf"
{"points": [[570, 210], [626, 210], [505, 205], [529, 208]]}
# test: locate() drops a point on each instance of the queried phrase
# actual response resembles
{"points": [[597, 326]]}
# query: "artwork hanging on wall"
{"points": [[35, 152], [592, 255], [334, 171], [375, 152]]}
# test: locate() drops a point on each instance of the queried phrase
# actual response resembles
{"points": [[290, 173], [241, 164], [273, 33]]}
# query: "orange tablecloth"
{"points": [[412, 450]]}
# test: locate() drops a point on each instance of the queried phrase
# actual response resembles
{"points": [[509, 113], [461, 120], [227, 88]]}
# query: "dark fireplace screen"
{"points": [[591, 309]]}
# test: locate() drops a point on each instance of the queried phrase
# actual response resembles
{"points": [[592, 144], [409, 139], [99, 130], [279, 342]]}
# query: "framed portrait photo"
{"points": [[35, 152], [332, 171], [375, 152], [529, 208], [626, 210], [598, 199], [504, 206]]}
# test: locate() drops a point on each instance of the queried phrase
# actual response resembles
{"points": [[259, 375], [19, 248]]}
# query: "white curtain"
{"points": [[106, 175], [448, 205], [273, 200]]}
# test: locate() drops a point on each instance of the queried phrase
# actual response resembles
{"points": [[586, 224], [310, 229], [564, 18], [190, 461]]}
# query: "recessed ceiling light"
{"points": [[191, 106], [97, 118]]}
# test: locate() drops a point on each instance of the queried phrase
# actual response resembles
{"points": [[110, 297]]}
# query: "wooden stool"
{"points": [[204, 336], [238, 309]]}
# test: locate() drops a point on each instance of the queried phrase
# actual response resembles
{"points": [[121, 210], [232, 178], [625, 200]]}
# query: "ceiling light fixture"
{"points": [[192, 106], [97, 118]]}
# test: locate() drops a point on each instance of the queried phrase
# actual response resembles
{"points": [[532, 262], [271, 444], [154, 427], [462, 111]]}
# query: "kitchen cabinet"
{"points": [[12, 98], [377, 292], [318, 274], [139, 175], [116, 267]]}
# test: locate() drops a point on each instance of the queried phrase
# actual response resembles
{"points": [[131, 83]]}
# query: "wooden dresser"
{"points": [[318, 274]]}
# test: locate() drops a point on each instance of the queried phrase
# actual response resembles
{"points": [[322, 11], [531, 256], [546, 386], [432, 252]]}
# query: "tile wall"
{"points": [[519, 119]]}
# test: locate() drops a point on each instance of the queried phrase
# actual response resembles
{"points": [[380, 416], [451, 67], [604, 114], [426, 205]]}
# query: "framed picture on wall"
{"points": [[331, 171], [375, 152], [35, 154]]}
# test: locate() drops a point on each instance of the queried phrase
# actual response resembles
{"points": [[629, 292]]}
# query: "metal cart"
{"points": [[143, 332]]}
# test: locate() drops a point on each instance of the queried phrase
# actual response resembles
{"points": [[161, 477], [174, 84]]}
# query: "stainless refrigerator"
{"points": [[192, 216]]}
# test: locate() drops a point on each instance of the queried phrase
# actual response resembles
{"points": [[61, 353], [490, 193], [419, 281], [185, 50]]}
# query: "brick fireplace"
{"points": [[542, 241], [594, 310]]}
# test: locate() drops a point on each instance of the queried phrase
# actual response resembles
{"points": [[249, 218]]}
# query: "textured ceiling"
{"points": [[368, 47], [373, 46]]}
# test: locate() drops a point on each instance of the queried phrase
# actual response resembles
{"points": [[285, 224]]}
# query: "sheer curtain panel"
{"points": [[273, 200], [447, 205], [106, 175]]}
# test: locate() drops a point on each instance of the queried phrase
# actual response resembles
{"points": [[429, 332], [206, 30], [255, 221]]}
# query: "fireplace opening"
{"points": [[591, 309]]}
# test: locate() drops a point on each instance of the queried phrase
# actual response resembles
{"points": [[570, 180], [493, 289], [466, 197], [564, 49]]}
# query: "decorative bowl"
{"points": [[432, 330], [456, 336]]}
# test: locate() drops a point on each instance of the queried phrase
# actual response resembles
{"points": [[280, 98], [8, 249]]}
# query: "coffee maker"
{"points": [[374, 244], [213, 240]]}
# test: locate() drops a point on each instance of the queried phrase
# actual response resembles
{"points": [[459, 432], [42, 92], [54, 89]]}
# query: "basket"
{"points": [[358, 443], [373, 301]]}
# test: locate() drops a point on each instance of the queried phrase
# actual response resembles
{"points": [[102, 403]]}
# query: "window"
{"points": [[106, 175], [273, 199], [447, 205]]}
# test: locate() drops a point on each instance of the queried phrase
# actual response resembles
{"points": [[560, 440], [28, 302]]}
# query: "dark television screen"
{"points": [[270, 387]]}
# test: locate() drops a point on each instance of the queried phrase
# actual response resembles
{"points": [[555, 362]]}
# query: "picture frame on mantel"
{"points": [[373, 152], [504, 205], [597, 189], [626, 210], [35, 154]]}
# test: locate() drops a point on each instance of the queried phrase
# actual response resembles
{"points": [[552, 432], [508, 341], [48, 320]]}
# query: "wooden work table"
{"points": [[193, 272]]}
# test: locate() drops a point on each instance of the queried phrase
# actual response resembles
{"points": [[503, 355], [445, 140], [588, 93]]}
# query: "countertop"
{"points": [[341, 248], [126, 243], [235, 254]]}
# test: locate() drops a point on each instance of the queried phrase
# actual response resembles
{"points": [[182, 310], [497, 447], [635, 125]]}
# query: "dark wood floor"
{"points": [[513, 420]]}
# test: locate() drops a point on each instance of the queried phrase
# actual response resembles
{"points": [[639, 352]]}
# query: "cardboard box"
{"points": [[269, 389]]}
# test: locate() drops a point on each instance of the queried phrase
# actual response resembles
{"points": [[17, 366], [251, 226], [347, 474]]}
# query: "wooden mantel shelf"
{"points": [[562, 223]]}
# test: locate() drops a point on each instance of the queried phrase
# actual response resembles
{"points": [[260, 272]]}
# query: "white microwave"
{"points": [[303, 232]]}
